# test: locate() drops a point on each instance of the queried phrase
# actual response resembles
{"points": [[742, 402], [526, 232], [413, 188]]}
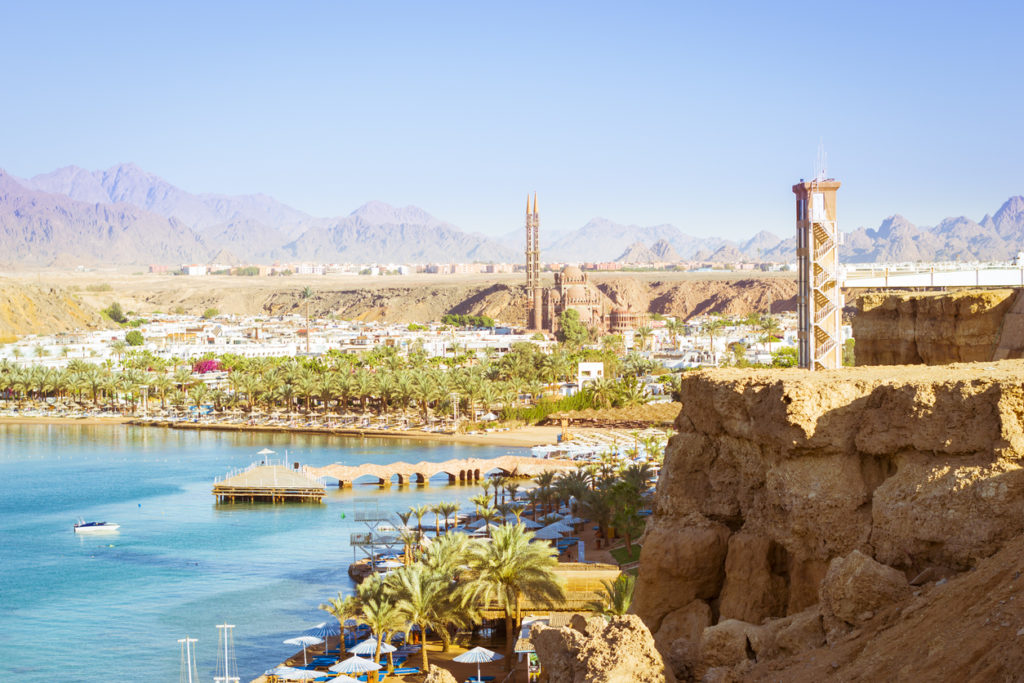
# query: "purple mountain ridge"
{"points": [[125, 214]]}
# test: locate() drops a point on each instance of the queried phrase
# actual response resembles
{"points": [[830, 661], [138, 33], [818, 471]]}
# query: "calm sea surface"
{"points": [[112, 607]]}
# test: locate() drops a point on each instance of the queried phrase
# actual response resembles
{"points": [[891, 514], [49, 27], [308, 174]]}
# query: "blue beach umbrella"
{"points": [[477, 655], [323, 630]]}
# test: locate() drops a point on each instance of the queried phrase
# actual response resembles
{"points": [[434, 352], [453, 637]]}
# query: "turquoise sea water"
{"points": [[112, 607]]}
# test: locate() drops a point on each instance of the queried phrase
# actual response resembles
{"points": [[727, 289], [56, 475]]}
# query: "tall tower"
{"points": [[533, 288], [819, 299]]}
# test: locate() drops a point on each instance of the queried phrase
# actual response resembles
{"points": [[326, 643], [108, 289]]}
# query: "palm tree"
{"points": [[409, 538], [419, 511], [616, 596], [545, 480], [438, 510], [378, 612], [341, 608], [714, 323], [675, 327], [644, 334], [419, 594], [118, 347], [770, 326], [448, 509], [306, 294], [511, 568], [489, 515], [444, 559]]}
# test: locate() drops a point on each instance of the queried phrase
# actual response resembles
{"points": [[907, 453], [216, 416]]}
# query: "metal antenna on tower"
{"points": [[821, 164], [227, 669], [189, 671]]}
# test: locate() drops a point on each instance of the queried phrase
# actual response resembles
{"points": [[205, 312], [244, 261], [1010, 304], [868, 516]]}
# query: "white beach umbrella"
{"points": [[323, 630], [354, 665], [265, 451], [477, 655], [304, 641], [560, 525], [369, 647], [548, 533], [289, 673], [525, 521]]}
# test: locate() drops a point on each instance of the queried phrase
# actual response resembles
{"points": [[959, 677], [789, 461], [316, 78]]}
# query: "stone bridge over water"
{"points": [[461, 471]]}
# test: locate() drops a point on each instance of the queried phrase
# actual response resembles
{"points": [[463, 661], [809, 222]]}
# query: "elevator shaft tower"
{"points": [[819, 298]]}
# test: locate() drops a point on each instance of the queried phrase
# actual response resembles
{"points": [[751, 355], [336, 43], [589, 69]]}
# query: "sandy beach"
{"points": [[92, 420], [520, 437]]}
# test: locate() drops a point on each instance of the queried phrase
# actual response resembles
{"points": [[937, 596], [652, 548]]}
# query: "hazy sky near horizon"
{"points": [[697, 114]]}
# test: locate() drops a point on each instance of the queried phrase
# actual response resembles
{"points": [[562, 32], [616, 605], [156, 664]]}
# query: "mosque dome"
{"points": [[576, 294], [572, 274]]}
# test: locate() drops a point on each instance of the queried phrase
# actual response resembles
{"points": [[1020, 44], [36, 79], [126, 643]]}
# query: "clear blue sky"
{"points": [[697, 114]]}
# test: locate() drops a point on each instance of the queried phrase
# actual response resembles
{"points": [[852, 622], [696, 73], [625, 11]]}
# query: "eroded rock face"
{"points": [[620, 650], [690, 558], [931, 328], [775, 475]]}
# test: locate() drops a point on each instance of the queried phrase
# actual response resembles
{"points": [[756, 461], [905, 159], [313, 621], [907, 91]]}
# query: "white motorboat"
{"points": [[83, 527]]}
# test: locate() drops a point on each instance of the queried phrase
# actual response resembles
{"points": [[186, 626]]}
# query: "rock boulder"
{"points": [[620, 650]]}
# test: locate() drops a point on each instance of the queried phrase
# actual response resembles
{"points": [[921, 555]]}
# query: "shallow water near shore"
{"points": [[113, 606]]}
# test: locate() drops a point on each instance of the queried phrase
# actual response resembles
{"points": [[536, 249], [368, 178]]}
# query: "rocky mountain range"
{"points": [[126, 215]]}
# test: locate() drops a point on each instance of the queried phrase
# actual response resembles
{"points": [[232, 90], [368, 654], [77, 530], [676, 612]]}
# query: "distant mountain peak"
{"points": [[637, 253], [381, 213], [665, 252]]}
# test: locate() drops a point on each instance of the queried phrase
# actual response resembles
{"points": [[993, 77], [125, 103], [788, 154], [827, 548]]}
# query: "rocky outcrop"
{"points": [[938, 328], [439, 675], [856, 587], [619, 650], [795, 506]]}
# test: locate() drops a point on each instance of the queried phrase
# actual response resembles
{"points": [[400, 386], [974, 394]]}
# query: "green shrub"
{"points": [[114, 312]]}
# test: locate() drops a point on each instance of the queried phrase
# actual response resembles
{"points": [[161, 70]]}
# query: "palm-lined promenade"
{"points": [[379, 390]]}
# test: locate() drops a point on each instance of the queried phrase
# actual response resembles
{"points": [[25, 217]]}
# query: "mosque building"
{"points": [[572, 290]]}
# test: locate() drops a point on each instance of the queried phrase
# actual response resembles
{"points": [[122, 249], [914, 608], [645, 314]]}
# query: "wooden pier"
{"points": [[270, 484]]}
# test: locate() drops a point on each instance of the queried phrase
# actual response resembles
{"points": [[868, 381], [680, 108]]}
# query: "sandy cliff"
{"points": [[39, 309], [802, 513], [939, 327]]}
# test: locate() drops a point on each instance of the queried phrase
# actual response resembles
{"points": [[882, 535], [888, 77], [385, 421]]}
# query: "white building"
{"points": [[589, 372]]}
